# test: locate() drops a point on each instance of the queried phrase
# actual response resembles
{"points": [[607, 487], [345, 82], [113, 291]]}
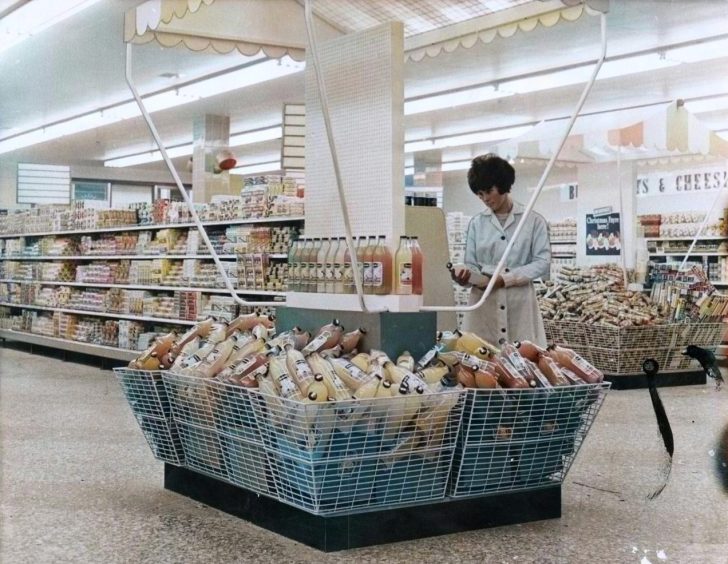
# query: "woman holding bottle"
{"points": [[511, 311]]}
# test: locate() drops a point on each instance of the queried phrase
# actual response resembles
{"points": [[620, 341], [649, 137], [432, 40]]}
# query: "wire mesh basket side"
{"points": [[331, 430], [513, 439], [359, 454], [232, 410], [163, 438], [202, 450], [189, 397], [144, 391], [246, 464]]}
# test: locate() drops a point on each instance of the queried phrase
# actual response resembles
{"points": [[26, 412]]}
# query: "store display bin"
{"points": [[191, 401], [333, 458], [622, 350], [147, 397], [521, 438]]}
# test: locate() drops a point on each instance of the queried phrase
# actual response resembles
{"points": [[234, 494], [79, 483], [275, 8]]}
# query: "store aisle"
{"points": [[78, 484]]}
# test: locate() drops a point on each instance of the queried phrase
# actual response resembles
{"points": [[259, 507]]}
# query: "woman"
{"points": [[511, 311]]}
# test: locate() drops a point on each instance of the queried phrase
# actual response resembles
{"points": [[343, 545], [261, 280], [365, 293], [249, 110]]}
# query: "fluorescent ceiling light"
{"points": [[252, 74], [236, 140], [466, 139], [715, 104], [452, 99], [30, 18], [260, 168]]}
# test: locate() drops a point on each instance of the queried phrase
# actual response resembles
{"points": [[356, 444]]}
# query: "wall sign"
{"points": [[682, 182], [87, 191], [603, 234], [43, 184]]}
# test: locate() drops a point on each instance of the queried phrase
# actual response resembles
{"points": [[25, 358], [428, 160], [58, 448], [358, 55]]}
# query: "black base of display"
{"points": [[62, 354], [637, 381], [371, 528]]}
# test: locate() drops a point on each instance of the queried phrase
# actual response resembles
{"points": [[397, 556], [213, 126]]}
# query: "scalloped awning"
{"points": [[668, 131], [533, 15], [275, 27]]}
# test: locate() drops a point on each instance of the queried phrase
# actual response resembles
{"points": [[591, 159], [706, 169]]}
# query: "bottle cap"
{"points": [[312, 396], [318, 377]]}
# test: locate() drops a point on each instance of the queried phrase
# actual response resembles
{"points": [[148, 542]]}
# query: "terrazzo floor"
{"points": [[79, 484]]}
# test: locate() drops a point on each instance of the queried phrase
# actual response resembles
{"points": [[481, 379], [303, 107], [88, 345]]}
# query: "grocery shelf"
{"points": [[145, 287], [563, 242], [69, 345], [155, 226], [698, 253], [101, 314], [689, 238], [115, 257], [133, 257]]}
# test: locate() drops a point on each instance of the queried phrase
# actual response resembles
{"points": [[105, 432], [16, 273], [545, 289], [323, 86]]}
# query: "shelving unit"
{"points": [[17, 319]]}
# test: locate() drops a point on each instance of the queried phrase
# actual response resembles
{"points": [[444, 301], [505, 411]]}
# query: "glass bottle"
{"points": [[403, 268], [321, 256], [329, 267], [382, 260], [417, 266]]}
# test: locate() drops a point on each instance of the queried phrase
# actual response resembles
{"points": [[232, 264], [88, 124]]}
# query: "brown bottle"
{"points": [[551, 370], [571, 360], [518, 362], [350, 340], [529, 350], [541, 380], [508, 377], [417, 266], [465, 376], [484, 379]]}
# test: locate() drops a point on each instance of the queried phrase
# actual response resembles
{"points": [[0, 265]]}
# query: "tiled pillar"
{"points": [[210, 135]]}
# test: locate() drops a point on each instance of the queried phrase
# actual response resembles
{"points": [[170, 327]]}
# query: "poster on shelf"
{"points": [[603, 234]]}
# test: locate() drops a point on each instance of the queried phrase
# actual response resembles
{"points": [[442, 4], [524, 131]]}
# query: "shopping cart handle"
{"points": [[650, 367]]}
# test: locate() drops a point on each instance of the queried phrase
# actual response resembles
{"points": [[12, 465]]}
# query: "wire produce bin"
{"points": [[357, 455], [521, 438], [190, 398], [145, 392], [622, 350]]}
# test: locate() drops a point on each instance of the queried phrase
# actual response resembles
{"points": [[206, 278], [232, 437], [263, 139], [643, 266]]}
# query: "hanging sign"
{"points": [[682, 182], [603, 234]]}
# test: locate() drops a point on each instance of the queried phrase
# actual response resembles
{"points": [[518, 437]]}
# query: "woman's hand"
{"points": [[462, 277]]}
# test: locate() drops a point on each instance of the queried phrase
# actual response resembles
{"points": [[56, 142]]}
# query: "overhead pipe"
{"points": [[313, 49], [181, 188], [501, 263]]}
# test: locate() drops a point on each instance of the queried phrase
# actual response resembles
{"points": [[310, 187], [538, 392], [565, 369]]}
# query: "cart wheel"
{"points": [[650, 366]]}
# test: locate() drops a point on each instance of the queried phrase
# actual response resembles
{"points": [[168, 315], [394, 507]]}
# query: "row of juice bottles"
{"points": [[324, 266]]}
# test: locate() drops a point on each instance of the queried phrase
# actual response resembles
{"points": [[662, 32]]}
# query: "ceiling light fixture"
{"points": [[247, 76], [466, 139], [236, 140], [30, 18]]}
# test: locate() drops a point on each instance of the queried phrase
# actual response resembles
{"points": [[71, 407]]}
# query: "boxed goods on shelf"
{"points": [[564, 230], [320, 426]]}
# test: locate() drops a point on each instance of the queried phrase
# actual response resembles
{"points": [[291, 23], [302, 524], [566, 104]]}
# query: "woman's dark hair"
{"points": [[490, 170]]}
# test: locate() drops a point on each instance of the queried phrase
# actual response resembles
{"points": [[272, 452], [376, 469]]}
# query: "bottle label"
{"points": [[367, 277], [320, 271], [405, 274], [347, 274], [338, 272], [329, 271], [377, 274]]}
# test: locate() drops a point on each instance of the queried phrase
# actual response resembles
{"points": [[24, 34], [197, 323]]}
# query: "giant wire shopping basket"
{"points": [[521, 438], [622, 350], [145, 392]]}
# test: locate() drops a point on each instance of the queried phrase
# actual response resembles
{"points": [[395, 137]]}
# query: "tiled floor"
{"points": [[78, 484]]}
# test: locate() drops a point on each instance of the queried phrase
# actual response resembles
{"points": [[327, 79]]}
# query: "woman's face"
{"points": [[493, 199]]}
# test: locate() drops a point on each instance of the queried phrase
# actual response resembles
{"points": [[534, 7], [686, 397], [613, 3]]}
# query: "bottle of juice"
{"points": [[321, 265], [382, 268], [403, 268], [347, 274], [304, 271], [368, 276], [329, 267], [294, 265], [417, 265], [361, 246], [339, 258]]}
